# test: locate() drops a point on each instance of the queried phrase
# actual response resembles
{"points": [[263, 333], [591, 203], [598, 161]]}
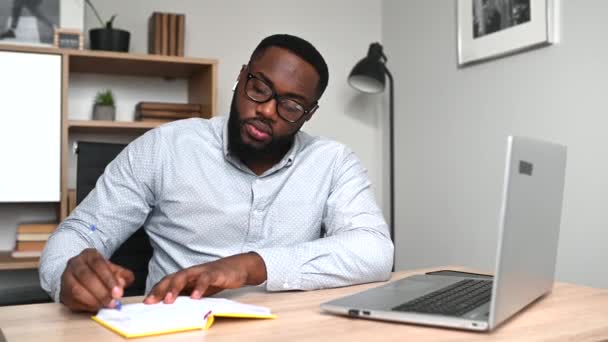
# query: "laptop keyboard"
{"points": [[454, 300]]}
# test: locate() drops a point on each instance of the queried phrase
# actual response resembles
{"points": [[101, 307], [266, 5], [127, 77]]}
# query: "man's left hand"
{"points": [[206, 279]]}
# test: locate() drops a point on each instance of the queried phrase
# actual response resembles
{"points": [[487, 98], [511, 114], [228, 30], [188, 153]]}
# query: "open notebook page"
{"points": [[137, 320]]}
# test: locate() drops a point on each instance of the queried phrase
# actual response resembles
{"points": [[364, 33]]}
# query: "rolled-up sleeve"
{"points": [[120, 203], [356, 248]]}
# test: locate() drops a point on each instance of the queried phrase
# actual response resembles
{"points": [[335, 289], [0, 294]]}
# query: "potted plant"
{"points": [[104, 109], [107, 37]]}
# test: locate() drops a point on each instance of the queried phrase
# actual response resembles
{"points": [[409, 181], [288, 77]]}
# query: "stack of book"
{"points": [[31, 238], [166, 33], [165, 111]]}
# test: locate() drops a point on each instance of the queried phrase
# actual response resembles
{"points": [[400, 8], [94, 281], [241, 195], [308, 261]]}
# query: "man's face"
{"points": [[256, 129]]}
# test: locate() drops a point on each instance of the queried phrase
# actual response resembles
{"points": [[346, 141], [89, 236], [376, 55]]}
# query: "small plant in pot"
{"points": [[107, 37], [104, 109]]}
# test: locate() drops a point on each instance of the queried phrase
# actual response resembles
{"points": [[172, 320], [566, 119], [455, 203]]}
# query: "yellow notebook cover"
{"points": [[185, 314]]}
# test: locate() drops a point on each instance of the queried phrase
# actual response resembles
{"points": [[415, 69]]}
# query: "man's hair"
{"points": [[302, 49]]}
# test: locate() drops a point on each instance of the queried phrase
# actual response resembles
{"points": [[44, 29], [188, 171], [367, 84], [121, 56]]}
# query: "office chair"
{"points": [[135, 253], [21, 287]]}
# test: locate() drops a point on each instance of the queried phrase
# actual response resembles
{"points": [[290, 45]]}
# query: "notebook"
{"points": [[185, 314]]}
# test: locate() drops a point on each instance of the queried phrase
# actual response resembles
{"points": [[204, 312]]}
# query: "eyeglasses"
{"points": [[288, 109]]}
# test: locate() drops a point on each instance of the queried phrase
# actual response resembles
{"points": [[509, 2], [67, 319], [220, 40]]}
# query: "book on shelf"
{"points": [[157, 120], [154, 33], [26, 254], [166, 114], [172, 34], [169, 106], [164, 40], [28, 249], [33, 236], [30, 246], [181, 33], [36, 228]]}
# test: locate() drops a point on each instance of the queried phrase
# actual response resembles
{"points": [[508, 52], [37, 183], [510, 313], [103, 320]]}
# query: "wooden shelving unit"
{"points": [[200, 74], [90, 126]]}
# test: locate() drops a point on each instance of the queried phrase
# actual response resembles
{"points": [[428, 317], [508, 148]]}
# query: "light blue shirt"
{"points": [[312, 217]]}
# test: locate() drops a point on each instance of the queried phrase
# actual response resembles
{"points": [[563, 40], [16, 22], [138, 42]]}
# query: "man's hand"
{"points": [[206, 279], [91, 282]]}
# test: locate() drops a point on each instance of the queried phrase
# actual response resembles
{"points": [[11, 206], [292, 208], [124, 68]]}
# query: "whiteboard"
{"points": [[30, 127]]}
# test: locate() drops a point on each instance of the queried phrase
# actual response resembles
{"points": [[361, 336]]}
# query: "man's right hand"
{"points": [[90, 282]]}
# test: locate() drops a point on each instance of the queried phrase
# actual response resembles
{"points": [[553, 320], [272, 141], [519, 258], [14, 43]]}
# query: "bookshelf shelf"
{"points": [[120, 63], [9, 263], [90, 126]]}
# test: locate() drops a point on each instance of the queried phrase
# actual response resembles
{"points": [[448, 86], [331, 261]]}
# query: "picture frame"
{"points": [[33, 22], [489, 29], [68, 39]]}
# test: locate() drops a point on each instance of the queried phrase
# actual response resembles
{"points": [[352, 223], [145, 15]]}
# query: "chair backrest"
{"points": [[21, 287], [136, 251]]}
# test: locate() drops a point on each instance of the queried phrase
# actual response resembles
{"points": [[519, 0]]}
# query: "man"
{"points": [[247, 200]]}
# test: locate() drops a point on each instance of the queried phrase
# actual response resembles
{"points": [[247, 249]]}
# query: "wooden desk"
{"points": [[570, 313]]}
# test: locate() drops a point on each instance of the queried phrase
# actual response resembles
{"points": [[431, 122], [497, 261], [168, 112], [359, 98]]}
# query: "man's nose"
{"points": [[268, 109]]}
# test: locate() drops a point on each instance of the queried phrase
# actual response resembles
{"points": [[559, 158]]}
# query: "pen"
{"points": [[118, 305]]}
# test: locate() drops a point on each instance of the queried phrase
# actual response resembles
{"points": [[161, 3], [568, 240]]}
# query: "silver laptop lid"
{"points": [[529, 225]]}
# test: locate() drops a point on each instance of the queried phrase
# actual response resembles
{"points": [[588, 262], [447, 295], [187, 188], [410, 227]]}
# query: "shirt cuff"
{"points": [[282, 268]]}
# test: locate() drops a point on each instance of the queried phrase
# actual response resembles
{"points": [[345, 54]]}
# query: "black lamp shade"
{"points": [[368, 75]]}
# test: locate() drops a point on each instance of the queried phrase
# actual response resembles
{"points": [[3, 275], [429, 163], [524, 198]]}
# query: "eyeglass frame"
{"points": [[274, 95]]}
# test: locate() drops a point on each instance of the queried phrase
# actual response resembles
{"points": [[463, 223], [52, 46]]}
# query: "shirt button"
{"points": [[286, 286]]}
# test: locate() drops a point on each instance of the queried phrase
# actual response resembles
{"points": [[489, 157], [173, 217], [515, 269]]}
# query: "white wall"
{"points": [[229, 31], [452, 125]]}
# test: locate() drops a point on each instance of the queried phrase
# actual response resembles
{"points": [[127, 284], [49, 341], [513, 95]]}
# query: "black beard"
{"points": [[277, 147]]}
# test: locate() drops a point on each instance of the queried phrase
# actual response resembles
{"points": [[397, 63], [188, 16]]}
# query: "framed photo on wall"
{"points": [[490, 29], [33, 22]]}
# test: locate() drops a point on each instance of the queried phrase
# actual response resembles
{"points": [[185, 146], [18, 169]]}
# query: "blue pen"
{"points": [[118, 305]]}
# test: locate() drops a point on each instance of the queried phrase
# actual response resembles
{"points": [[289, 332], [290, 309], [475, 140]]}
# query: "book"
{"points": [[172, 34], [185, 314], [164, 36], [154, 33], [181, 34], [157, 120], [36, 228], [151, 34], [158, 21], [30, 246], [33, 236], [169, 106], [166, 114], [26, 254]]}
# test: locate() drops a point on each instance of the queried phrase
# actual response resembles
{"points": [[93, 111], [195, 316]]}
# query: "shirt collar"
{"points": [[287, 160]]}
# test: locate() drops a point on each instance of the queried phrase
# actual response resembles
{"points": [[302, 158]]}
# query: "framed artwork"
{"points": [[490, 29], [33, 22]]}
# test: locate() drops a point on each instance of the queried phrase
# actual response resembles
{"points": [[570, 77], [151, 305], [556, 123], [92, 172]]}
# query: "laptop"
{"points": [[525, 260]]}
